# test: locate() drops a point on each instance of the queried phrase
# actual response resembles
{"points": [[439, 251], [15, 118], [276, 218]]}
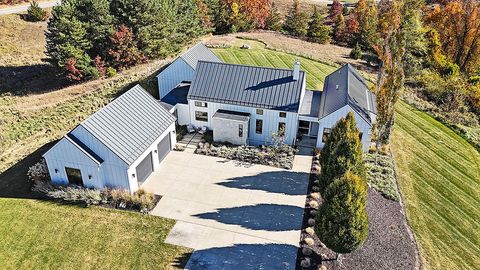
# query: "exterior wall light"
{"points": [[56, 170], [89, 176], [133, 175], [155, 151]]}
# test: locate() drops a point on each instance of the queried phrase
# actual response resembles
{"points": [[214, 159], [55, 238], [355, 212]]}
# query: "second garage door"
{"points": [[163, 147], [144, 169]]}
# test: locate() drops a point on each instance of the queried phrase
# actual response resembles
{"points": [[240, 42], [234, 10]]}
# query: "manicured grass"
{"points": [[44, 235], [260, 56], [439, 176]]}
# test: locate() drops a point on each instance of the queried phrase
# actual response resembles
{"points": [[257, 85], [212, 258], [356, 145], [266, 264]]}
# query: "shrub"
{"points": [[111, 72], [356, 53], [38, 172], [35, 13], [140, 200], [74, 194], [342, 221], [381, 175]]}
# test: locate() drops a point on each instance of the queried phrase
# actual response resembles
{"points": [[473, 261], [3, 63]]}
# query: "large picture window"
{"points": [[201, 116], [74, 176], [259, 126], [326, 134]]}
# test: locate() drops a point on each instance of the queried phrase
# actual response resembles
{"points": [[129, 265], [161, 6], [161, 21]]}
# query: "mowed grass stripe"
{"points": [[444, 155], [440, 183]]}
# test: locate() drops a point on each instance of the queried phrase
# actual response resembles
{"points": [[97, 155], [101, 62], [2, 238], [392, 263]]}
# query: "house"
{"points": [[117, 147], [123, 143], [246, 104]]}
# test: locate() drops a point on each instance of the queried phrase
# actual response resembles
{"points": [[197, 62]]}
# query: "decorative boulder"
{"points": [[310, 231], [309, 241], [311, 222]]}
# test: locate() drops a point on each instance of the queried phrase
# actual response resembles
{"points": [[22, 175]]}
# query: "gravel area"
{"points": [[389, 244]]}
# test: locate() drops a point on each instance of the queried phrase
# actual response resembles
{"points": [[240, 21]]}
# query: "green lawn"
{"points": [[439, 176], [45, 235], [439, 172], [260, 56]]}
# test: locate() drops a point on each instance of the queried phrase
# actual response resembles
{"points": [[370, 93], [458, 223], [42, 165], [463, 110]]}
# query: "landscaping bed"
{"points": [[381, 175], [388, 246], [264, 155]]}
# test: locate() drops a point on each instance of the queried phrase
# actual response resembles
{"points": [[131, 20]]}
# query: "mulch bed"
{"points": [[388, 246]]}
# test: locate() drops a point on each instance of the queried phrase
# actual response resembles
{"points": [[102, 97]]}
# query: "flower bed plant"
{"points": [[264, 155], [381, 175]]}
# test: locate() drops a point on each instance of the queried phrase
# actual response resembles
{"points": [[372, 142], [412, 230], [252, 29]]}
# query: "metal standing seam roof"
{"points": [[129, 124], [199, 52], [346, 86], [311, 104], [82, 147], [258, 87], [232, 115]]}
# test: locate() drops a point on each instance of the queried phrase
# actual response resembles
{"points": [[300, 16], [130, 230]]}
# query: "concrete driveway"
{"points": [[235, 216]]}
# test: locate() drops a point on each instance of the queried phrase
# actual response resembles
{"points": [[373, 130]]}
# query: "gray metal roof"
{"points": [[346, 86], [197, 53], [311, 104], [177, 95], [232, 115], [258, 87], [82, 147], [129, 124]]}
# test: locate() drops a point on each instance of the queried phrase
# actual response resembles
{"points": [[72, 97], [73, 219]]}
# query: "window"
{"points": [[200, 104], [282, 114], [240, 130], [281, 128], [201, 116], [326, 134], [74, 176], [259, 111], [303, 127], [259, 126]]}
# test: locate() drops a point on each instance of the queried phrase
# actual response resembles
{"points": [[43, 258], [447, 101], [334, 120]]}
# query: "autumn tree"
{"points": [[347, 30], [390, 82], [336, 9], [235, 15], [458, 25], [317, 30], [296, 21], [366, 13], [123, 51]]}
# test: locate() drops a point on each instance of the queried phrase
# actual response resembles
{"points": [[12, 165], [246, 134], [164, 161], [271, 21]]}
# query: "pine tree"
{"points": [[342, 220], [317, 30], [35, 13], [356, 53], [296, 22], [342, 152], [274, 20]]}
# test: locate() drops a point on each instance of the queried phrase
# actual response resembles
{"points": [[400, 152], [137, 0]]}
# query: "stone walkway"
{"points": [[190, 141]]}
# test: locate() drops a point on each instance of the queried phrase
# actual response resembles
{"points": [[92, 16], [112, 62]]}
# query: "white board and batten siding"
{"points": [[183, 114], [113, 169], [330, 120], [156, 162], [271, 119], [65, 154], [172, 75]]}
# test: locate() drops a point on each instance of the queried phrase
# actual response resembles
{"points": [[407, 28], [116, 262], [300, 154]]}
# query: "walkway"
{"points": [[190, 141]]}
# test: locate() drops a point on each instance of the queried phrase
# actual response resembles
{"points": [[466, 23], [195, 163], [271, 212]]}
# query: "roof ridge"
{"points": [[242, 65]]}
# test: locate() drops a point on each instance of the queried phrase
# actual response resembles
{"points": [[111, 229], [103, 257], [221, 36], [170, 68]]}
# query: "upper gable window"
{"points": [[201, 104], [282, 114], [259, 112]]}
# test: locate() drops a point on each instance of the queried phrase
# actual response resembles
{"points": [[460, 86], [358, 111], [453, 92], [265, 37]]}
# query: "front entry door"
{"points": [[74, 176]]}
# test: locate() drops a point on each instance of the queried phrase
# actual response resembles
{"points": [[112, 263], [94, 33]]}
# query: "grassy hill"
{"points": [[439, 172]]}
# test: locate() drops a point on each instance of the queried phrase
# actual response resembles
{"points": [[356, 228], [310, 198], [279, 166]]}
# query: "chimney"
{"points": [[296, 70]]}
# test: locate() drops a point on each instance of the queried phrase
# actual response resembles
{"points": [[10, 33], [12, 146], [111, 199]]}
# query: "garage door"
{"points": [[144, 169], [164, 147]]}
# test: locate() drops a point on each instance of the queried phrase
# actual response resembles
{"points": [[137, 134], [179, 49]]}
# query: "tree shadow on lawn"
{"points": [[269, 217], [245, 257], [284, 182], [33, 79], [14, 182]]}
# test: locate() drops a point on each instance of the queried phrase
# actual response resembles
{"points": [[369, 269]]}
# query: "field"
{"points": [[259, 56], [439, 172], [439, 176]]}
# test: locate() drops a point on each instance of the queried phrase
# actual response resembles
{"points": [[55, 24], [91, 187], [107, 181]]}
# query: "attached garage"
{"points": [[117, 147]]}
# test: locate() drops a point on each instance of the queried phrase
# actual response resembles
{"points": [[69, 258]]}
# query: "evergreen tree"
{"points": [[317, 30], [356, 53], [274, 20], [296, 22], [35, 13], [342, 220], [342, 152]]}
